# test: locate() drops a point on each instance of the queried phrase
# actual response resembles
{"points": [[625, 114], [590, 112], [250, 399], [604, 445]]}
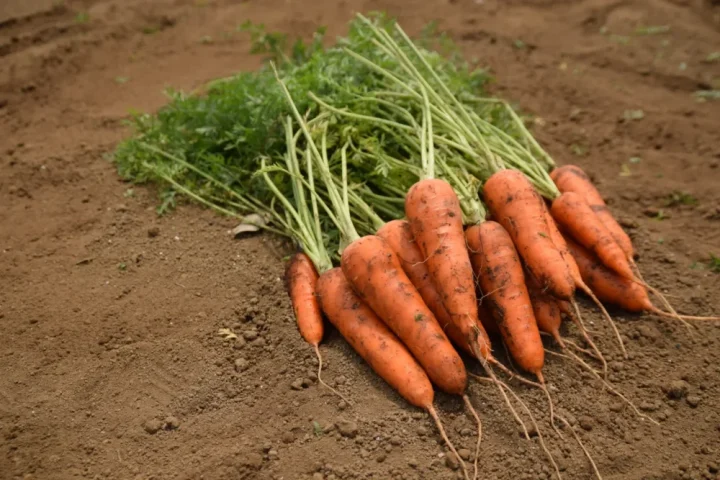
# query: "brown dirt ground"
{"points": [[93, 357]]}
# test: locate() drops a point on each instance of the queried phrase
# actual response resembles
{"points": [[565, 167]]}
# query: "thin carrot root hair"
{"points": [[567, 342], [582, 446], [577, 318], [584, 351], [469, 406], [551, 405], [659, 312], [606, 315], [513, 375], [672, 312], [433, 413], [532, 419], [497, 382], [322, 382], [606, 384]]}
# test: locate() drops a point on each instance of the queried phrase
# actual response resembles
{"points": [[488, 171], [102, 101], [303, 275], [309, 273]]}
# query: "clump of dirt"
{"points": [[138, 346]]}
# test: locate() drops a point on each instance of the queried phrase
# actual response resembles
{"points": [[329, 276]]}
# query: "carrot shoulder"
{"points": [[301, 279], [372, 339], [375, 274]]}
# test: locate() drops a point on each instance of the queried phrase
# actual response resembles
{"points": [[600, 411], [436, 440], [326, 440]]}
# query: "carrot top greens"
{"points": [[383, 110]]}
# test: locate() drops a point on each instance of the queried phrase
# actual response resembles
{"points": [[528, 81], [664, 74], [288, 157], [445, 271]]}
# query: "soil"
{"points": [[111, 361]]}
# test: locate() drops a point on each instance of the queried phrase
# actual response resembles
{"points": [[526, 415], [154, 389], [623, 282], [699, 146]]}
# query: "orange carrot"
{"points": [[399, 237], [516, 205], [561, 245], [374, 271], [377, 345], [301, 277], [435, 217], [547, 310], [501, 277], [608, 285], [572, 213], [571, 178]]}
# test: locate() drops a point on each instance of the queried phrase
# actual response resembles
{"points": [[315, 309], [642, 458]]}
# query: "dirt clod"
{"points": [[586, 423], [241, 365], [347, 428], [451, 461], [171, 423], [676, 389], [693, 400], [152, 426]]}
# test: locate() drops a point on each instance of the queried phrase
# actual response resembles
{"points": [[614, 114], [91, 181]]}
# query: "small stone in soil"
{"points": [[171, 423], [464, 453], [241, 365], [412, 463], [395, 440], [466, 432], [347, 428], [586, 423], [288, 437], [693, 400], [152, 426], [677, 389], [422, 431], [340, 380], [342, 405], [250, 335], [451, 461], [381, 458], [297, 384]]}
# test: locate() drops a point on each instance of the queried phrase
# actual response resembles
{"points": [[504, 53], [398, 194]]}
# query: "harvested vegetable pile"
{"points": [[447, 219]]}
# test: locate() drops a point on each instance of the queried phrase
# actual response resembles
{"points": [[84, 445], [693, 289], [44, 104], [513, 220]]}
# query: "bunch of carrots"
{"points": [[411, 293], [447, 227]]}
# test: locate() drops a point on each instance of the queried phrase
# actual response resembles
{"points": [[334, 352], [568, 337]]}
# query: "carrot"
{"points": [[515, 204], [374, 271], [301, 277], [571, 178], [572, 213], [501, 277], [612, 288], [559, 242], [398, 235], [608, 285], [377, 345], [546, 309], [435, 217]]}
